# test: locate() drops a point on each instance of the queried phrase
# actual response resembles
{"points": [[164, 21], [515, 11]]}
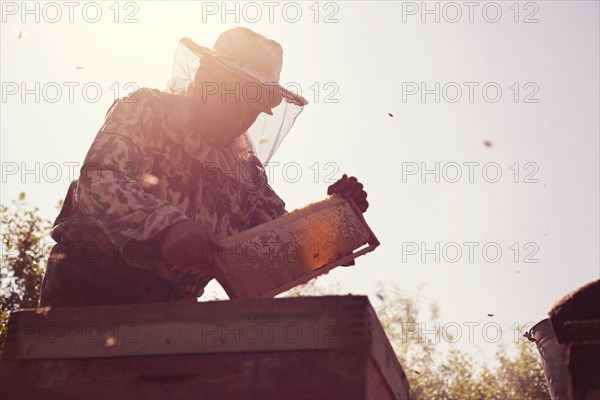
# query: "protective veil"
{"points": [[268, 131]]}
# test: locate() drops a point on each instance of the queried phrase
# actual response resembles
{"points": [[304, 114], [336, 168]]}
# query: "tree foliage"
{"points": [[23, 257], [436, 373]]}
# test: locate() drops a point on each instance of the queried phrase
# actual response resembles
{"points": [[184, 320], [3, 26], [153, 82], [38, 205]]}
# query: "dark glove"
{"points": [[188, 244], [350, 188], [351, 263]]}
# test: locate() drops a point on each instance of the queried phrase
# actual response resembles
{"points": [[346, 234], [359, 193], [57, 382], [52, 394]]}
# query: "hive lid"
{"points": [[191, 328]]}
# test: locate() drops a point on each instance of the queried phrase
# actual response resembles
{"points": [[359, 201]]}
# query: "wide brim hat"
{"points": [[242, 55], [251, 57]]}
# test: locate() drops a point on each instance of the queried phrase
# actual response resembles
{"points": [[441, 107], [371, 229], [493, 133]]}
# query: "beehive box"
{"points": [[330, 347]]}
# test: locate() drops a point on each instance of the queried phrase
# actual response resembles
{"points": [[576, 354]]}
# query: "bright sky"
{"points": [[523, 76]]}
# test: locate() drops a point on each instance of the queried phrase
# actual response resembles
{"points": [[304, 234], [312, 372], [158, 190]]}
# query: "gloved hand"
{"points": [[350, 188], [189, 244]]}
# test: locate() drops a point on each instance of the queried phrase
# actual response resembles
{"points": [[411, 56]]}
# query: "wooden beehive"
{"points": [[576, 322], [330, 347]]}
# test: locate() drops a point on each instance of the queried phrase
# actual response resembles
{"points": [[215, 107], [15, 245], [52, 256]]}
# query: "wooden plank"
{"points": [[384, 358], [582, 331], [210, 376], [212, 327]]}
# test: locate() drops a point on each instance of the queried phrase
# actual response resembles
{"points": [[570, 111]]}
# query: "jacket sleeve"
{"points": [[265, 206], [117, 168]]}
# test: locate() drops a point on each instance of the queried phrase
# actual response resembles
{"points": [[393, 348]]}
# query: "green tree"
{"points": [[22, 262], [523, 374], [401, 314]]}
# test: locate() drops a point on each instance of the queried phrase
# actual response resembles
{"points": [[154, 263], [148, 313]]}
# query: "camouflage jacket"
{"points": [[148, 168]]}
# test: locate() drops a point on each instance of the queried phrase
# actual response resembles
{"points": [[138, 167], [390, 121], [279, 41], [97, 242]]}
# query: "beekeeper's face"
{"points": [[230, 105]]}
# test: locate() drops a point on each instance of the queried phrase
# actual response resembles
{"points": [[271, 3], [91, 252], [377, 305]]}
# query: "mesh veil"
{"points": [[268, 131]]}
